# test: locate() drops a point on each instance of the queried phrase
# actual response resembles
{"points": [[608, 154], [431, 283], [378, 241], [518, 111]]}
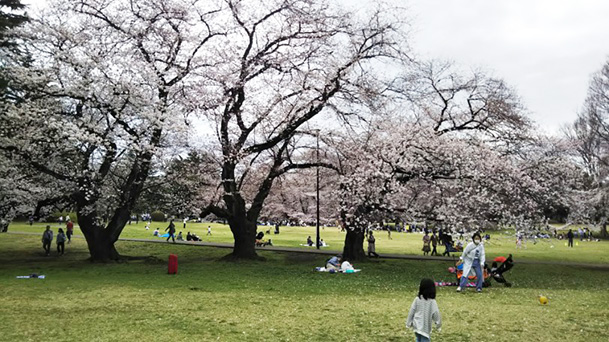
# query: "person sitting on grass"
{"points": [[334, 263], [179, 237], [309, 241], [346, 266], [156, 232]]}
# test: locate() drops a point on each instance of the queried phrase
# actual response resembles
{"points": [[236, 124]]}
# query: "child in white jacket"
{"points": [[424, 311], [473, 257]]}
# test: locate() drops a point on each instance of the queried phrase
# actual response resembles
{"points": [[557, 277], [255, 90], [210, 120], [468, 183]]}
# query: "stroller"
{"points": [[497, 271]]}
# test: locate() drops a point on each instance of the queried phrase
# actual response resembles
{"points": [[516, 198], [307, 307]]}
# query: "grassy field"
{"points": [[280, 299], [501, 242]]}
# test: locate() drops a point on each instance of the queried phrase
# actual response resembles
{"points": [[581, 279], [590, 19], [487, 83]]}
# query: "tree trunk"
{"points": [[604, 234], [244, 234], [101, 245], [354, 245], [100, 239], [102, 249]]}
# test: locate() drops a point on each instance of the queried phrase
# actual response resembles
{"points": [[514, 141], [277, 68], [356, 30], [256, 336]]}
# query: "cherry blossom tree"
{"points": [[11, 16], [590, 137], [289, 64], [463, 154], [108, 80]]}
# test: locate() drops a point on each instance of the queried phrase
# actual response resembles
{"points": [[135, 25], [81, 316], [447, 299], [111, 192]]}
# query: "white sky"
{"points": [[545, 49]]}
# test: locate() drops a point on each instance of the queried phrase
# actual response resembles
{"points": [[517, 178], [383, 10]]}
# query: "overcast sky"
{"points": [[545, 49]]}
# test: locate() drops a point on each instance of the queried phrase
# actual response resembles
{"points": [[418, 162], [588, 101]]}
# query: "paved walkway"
{"points": [[312, 250]]}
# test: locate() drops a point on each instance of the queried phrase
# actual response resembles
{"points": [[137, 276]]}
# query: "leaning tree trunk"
{"points": [[354, 245], [604, 234]]}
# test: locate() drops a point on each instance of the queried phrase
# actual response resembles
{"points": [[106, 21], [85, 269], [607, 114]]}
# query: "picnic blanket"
{"points": [[442, 284], [313, 245], [323, 269], [31, 276]]}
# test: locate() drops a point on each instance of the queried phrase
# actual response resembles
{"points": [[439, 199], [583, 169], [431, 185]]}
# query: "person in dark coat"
{"points": [[172, 231], [47, 238], [61, 240]]}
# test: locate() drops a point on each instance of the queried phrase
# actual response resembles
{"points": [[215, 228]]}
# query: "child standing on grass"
{"points": [[424, 311]]}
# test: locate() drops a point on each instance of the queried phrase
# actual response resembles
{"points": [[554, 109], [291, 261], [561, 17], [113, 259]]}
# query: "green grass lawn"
{"points": [[280, 299], [501, 243]]}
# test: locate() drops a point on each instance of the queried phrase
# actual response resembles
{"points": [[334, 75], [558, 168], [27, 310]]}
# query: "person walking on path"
{"points": [[371, 246], [424, 312], [69, 230], [172, 231], [448, 242], [570, 237], [426, 242], [61, 239], [434, 244], [473, 257], [47, 238]]}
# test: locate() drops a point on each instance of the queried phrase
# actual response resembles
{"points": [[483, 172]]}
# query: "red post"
{"points": [[173, 264]]}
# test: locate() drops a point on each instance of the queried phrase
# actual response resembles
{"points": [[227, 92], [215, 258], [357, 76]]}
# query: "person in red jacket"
{"points": [[69, 230]]}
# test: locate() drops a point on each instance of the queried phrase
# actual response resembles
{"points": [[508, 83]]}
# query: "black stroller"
{"points": [[497, 272]]}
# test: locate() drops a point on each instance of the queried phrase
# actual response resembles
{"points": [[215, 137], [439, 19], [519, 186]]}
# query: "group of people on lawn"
{"points": [[47, 236], [171, 230]]}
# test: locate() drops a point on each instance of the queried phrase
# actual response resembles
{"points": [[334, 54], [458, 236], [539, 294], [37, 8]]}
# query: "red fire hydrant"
{"points": [[173, 264]]}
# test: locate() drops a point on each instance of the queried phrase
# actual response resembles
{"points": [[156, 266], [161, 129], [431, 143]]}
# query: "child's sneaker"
{"points": [[459, 289], [479, 290]]}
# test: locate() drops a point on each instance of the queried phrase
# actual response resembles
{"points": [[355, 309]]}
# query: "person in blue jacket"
{"points": [[334, 263]]}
